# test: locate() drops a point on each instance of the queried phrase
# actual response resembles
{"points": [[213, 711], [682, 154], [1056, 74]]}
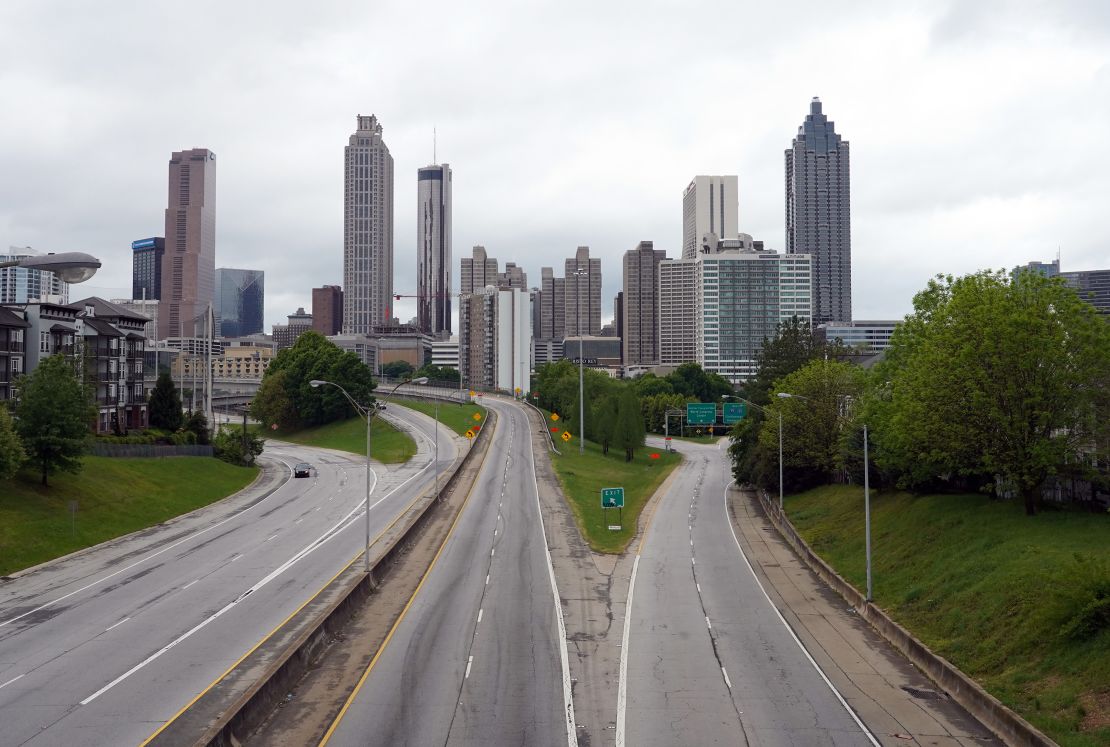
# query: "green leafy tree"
{"points": [[629, 431], [197, 424], [605, 415], [691, 380], [444, 374], [53, 416], [997, 379], [286, 397], [165, 404], [397, 369], [230, 446], [12, 455]]}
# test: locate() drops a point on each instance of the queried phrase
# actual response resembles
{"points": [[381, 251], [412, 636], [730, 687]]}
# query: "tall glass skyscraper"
{"points": [[240, 301], [433, 242], [189, 262], [146, 268], [819, 213]]}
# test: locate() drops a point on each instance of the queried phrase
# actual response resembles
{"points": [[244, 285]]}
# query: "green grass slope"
{"points": [[1021, 604], [459, 417], [389, 445]]}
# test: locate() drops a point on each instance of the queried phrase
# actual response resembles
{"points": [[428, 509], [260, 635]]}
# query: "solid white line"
{"points": [[480, 615], [622, 680], [186, 586], [727, 680], [121, 622], [468, 663], [564, 659], [843, 702], [13, 679]]}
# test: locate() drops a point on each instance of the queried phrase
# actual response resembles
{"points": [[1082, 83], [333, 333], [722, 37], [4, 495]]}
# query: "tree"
{"points": [[605, 416], [230, 446], [440, 374], [197, 424], [165, 404], [287, 398], [53, 416], [999, 380], [691, 380], [813, 423], [397, 369], [629, 431], [12, 455]]}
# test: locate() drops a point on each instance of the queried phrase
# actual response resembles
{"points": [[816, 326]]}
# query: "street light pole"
{"points": [[581, 401]]}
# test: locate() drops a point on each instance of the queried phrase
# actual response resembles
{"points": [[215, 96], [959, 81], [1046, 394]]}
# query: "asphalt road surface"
{"points": [[102, 648], [708, 659], [478, 657]]}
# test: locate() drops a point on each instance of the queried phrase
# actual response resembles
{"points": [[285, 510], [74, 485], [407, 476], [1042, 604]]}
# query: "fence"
{"points": [[150, 450]]}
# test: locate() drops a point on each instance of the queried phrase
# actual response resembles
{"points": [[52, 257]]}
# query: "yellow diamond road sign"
{"points": [[554, 416], [566, 436], [470, 434], [477, 416]]}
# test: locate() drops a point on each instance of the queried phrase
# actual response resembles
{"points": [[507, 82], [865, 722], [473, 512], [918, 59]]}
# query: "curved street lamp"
{"points": [[368, 413], [71, 267]]}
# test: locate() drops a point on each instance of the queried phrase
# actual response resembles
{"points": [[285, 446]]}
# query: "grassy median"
{"points": [[1021, 604], [458, 417], [584, 475], [390, 446], [114, 497]]}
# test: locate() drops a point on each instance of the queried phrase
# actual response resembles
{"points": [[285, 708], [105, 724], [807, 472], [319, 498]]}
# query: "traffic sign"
{"points": [[471, 392], [470, 434], [584, 361], [555, 416], [566, 436], [701, 413], [612, 497], [734, 412], [477, 416]]}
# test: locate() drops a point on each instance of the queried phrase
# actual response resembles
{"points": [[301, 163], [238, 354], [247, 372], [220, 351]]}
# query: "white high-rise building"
{"points": [[433, 242], [495, 339], [367, 229], [742, 293], [676, 301], [23, 285], [710, 205]]}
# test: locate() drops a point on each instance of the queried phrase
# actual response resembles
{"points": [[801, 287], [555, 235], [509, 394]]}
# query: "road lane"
{"points": [[108, 645], [709, 659], [478, 657]]}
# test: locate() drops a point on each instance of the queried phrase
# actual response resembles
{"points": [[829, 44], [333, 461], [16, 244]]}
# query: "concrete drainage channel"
{"points": [[245, 697]]}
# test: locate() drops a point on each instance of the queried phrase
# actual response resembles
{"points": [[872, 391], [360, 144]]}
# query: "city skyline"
{"points": [[948, 199]]}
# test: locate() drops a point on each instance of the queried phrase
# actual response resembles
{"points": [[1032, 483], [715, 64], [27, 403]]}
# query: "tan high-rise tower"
{"points": [[189, 263], [367, 229]]}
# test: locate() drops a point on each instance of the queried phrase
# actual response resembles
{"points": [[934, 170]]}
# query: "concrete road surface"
{"points": [[103, 647], [709, 661], [479, 657]]}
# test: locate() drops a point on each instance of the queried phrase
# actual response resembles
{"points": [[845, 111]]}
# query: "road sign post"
{"points": [[614, 498]]}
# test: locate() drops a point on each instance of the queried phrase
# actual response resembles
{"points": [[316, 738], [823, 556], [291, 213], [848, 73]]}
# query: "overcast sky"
{"points": [[978, 128]]}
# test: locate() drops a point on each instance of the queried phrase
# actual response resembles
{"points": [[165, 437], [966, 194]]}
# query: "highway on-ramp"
{"points": [[105, 646], [478, 657]]}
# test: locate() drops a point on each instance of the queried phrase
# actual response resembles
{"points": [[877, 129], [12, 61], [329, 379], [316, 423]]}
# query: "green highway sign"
{"points": [[701, 413], [612, 497], [734, 412]]}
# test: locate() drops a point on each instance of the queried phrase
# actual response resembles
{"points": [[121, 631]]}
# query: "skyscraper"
{"points": [[327, 309], [495, 339], [710, 204], [146, 268], [433, 258], [367, 229], [189, 264], [240, 301], [676, 311], [477, 271], [553, 293], [639, 330], [512, 277], [583, 294], [819, 214]]}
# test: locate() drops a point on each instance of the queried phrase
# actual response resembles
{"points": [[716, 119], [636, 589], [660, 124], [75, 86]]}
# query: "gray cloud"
{"points": [[975, 127]]}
